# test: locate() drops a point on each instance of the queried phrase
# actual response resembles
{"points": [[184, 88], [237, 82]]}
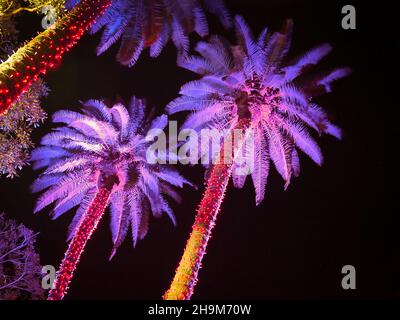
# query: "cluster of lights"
{"points": [[185, 279], [78, 242], [46, 50]]}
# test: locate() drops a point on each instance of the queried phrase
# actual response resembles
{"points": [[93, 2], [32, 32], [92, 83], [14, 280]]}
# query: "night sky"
{"points": [[292, 246]]}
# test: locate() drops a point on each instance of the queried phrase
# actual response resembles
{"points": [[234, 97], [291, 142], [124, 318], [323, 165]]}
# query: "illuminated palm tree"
{"points": [[151, 24], [45, 51], [98, 160], [248, 87]]}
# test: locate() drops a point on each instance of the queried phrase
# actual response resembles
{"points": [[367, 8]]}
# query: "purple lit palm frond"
{"points": [[97, 143], [152, 24], [251, 79]]}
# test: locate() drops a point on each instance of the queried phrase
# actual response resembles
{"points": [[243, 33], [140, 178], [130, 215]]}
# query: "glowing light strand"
{"points": [[78, 242], [186, 275], [46, 50]]}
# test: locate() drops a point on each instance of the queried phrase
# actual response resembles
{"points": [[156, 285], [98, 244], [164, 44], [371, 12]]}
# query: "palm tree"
{"points": [[152, 23], [45, 51], [248, 87], [98, 160]]}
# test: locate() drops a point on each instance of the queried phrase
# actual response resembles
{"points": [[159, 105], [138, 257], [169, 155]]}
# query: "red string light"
{"points": [[45, 51], [75, 249]]}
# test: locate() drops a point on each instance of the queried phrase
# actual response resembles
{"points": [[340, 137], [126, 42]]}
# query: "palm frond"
{"points": [[189, 104], [311, 58], [280, 151], [152, 23], [261, 166], [69, 183], [302, 139]]}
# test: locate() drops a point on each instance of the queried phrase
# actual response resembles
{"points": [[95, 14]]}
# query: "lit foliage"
{"points": [[16, 127], [45, 51], [99, 159], [24, 114], [250, 82], [152, 23], [20, 269]]}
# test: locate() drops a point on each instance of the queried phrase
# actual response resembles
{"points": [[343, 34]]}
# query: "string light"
{"points": [[45, 51], [186, 274], [75, 249]]}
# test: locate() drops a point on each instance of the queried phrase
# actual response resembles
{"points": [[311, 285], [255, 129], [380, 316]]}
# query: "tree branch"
{"points": [[23, 244]]}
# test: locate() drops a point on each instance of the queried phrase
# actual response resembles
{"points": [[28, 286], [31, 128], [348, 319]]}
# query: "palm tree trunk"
{"points": [[78, 242], [186, 274], [45, 51]]}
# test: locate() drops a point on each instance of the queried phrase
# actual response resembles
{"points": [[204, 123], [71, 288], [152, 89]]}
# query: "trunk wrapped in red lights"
{"points": [[186, 274], [78, 243]]}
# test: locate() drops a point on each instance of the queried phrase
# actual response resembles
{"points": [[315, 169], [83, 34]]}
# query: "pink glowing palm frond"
{"points": [[152, 24], [93, 145], [252, 80]]}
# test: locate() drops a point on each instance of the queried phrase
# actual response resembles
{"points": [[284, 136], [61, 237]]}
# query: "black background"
{"points": [[292, 246]]}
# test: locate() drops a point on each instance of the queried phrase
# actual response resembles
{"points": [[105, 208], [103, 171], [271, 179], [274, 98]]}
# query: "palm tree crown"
{"points": [[101, 147], [152, 23], [250, 81]]}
